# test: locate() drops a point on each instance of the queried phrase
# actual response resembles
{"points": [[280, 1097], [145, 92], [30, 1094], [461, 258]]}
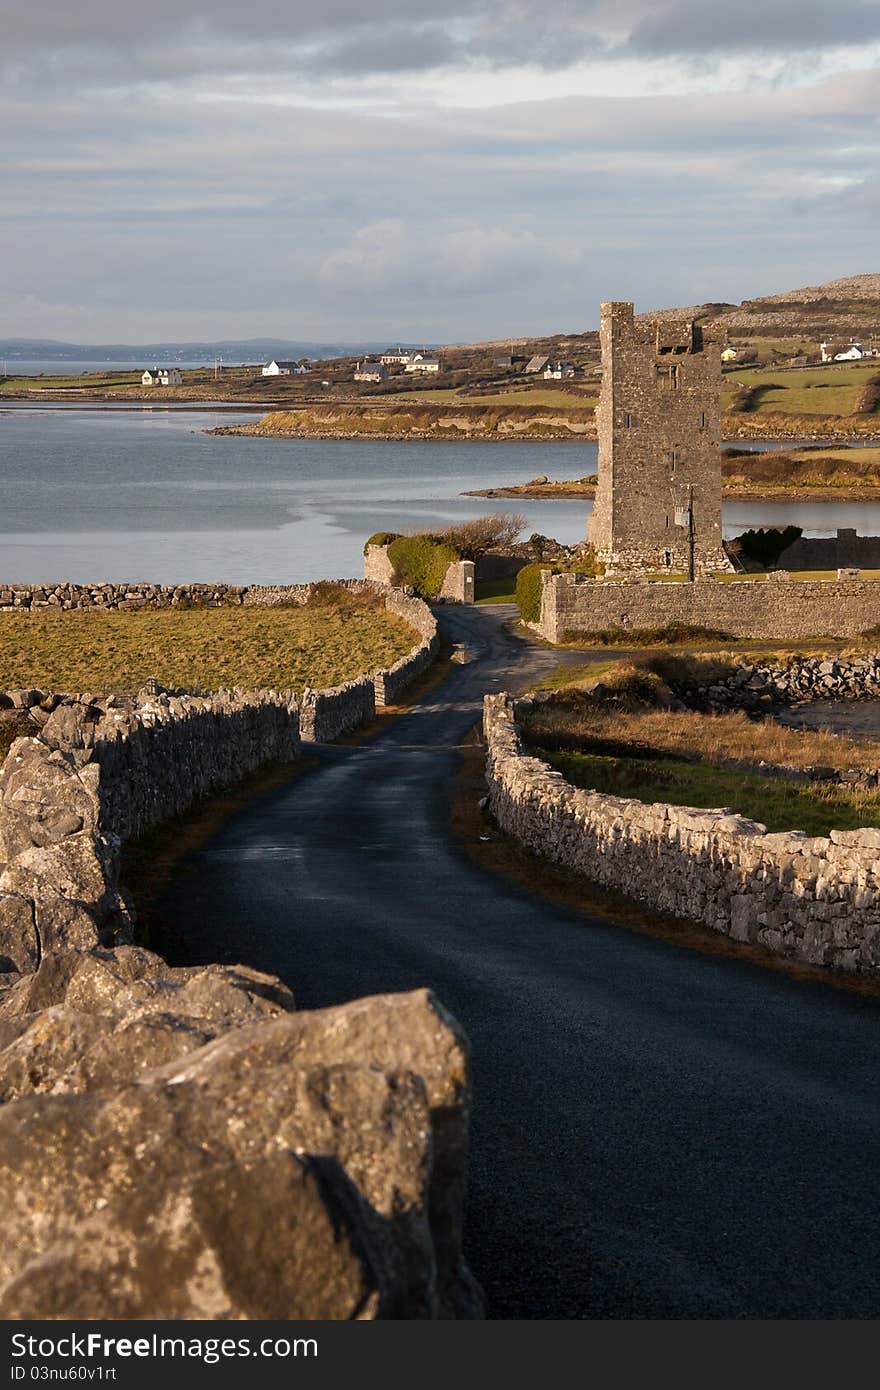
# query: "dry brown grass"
{"points": [[579, 721], [329, 641]]}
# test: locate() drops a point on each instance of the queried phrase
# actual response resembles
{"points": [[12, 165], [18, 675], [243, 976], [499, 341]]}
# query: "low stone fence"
{"points": [[778, 608], [91, 773], [327, 714], [814, 898], [393, 680], [339, 710], [102, 773]]}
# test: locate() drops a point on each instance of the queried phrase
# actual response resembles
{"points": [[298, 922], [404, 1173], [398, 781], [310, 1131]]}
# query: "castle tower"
{"points": [[658, 501]]}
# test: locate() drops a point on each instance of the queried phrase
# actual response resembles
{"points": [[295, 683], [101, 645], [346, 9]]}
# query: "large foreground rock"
{"points": [[182, 1144]]}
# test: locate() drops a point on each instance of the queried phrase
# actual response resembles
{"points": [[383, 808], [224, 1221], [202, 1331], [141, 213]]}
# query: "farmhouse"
{"points": [[281, 369], [536, 364], [370, 371], [422, 364], [559, 371], [844, 352], [395, 357], [162, 376]]}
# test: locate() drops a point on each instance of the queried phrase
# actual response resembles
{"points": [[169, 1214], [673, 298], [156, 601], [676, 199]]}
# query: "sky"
{"points": [[206, 169]]}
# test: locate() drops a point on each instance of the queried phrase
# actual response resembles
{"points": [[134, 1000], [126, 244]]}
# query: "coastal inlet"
{"points": [[147, 494]]}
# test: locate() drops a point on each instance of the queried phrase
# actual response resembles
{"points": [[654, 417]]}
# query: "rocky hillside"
{"points": [[840, 308]]}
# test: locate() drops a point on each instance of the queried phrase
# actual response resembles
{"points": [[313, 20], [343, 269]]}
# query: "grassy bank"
{"points": [[815, 807], [627, 741], [319, 645]]}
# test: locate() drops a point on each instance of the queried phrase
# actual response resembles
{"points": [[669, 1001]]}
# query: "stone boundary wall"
{"points": [[846, 550], [338, 710], [778, 608], [326, 714], [814, 898], [100, 774], [128, 596], [391, 681]]}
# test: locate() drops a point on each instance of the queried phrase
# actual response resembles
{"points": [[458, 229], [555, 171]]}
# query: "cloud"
{"points": [[188, 170], [689, 27]]}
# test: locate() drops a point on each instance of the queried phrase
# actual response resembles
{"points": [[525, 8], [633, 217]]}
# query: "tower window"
{"points": [[667, 375]]}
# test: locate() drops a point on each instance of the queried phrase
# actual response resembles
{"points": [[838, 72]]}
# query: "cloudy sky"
{"points": [[206, 168]]}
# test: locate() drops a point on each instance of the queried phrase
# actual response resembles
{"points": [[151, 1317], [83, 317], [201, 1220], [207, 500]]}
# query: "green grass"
{"points": [[830, 390], [814, 808], [11, 386], [318, 645], [762, 578], [496, 590]]}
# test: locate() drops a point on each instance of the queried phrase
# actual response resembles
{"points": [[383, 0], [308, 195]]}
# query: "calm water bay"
{"points": [[146, 494]]}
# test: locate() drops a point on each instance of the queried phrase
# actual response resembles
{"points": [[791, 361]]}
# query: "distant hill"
{"points": [[230, 349], [846, 307]]}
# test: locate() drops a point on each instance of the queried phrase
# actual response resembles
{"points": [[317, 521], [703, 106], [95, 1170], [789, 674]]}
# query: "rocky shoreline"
{"points": [[757, 493]]}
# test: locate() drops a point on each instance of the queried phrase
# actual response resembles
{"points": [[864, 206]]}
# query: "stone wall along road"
{"points": [[811, 897]]}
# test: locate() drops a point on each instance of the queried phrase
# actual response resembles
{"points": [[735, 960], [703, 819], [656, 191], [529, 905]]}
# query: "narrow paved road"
{"points": [[657, 1132]]}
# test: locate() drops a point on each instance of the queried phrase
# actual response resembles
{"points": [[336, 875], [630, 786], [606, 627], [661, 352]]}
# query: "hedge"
{"points": [[381, 538], [421, 563], [528, 581]]}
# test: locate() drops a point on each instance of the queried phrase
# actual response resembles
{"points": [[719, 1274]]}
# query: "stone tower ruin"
{"points": [[658, 501]]}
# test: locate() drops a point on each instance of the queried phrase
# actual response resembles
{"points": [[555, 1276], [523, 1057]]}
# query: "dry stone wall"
{"points": [[100, 774], [814, 898], [91, 773], [778, 608], [195, 1120]]}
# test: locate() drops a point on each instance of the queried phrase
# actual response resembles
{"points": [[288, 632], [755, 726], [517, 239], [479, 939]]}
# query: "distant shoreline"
{"points": [[566, 491]]}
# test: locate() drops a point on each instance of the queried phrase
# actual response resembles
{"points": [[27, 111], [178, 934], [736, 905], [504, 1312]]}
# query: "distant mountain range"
{"points": [[231, 350]]}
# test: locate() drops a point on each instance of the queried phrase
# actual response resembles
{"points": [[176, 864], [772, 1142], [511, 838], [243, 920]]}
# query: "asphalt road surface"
{"points": [[656, 1132]]}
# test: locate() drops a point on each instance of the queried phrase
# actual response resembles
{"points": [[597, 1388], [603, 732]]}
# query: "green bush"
{"points": [[421, 563], [528, 591], [381, 538], [528, 581]]}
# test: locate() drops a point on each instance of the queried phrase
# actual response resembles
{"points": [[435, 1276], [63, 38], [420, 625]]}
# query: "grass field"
{"points": [[318, 645], [831, 390], [635, 746], [815, 808], [14, 385]]}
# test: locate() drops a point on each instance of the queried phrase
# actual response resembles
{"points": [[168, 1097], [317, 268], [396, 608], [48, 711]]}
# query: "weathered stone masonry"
{"points": [[814, 898], [659, 426], [214, 1154], [776, 608]]}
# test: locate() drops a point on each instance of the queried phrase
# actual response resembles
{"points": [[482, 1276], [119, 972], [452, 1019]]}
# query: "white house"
{"points": [[162, 376], [422, 364], [395, 357], [280, 369], [838, 352], [370, 371], [559, 371]]}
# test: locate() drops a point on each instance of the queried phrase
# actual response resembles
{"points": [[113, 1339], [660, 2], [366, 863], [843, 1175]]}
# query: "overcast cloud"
{"points": [[211, 170]]}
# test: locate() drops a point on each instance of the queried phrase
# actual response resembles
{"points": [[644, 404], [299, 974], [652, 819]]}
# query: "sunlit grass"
{"points": [[88, 650]]}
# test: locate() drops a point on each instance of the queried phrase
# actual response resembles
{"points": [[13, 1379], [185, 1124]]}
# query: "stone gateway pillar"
{"points": [[658, 500]]}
